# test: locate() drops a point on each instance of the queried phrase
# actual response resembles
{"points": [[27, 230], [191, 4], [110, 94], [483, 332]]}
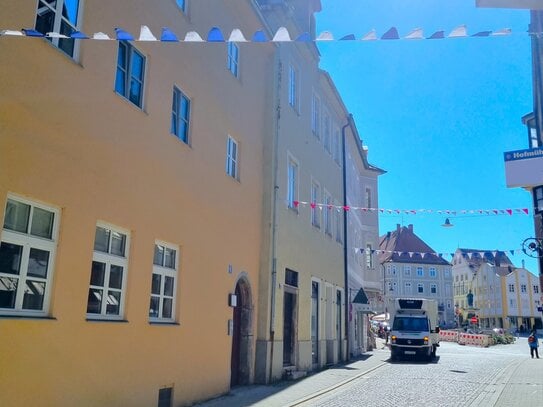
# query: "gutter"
{"points": [[345, 236]]}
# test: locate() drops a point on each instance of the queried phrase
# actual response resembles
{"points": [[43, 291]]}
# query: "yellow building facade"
{"points": [[131, 199]]}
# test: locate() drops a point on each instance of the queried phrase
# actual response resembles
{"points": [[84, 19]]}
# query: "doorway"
{"points": [[289, 328], [242, 337]]}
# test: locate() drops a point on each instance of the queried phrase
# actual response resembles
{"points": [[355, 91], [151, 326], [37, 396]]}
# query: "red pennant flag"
{"points": [[509, 211], [296, 203], [525, 210], [346, 208], [313, 205]]}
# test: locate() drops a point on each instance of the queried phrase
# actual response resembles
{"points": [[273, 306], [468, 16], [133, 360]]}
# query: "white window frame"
{"points": [[127, 73], [57, 24], [408, 287], [316, 116], [28, 242], [339, 224], [420, 272], [337, 144], [369, 256], [163, 271], [433, 289], [407, 270], [315, 199], [327, 131], [420, 288], [293, 175], [294, 88], [432, 272], [232, 60], [109, 260], [327, 213], [177, 117], [232, 157]]}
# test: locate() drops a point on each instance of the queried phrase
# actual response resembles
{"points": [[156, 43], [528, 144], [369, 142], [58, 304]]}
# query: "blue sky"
{"points": [[437, 115]]}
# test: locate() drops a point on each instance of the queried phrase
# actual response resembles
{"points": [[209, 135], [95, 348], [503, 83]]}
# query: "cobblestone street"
{"points": [[460, 376]]}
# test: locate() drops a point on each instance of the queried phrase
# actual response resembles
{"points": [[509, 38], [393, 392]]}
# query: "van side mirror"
{"points": [[437, 329]]}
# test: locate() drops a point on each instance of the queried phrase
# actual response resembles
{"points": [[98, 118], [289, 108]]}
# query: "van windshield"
{"points": [[410, 324]]}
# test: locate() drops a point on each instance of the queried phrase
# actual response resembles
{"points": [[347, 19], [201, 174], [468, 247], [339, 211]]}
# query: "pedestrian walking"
{"points": [[533, 342]]}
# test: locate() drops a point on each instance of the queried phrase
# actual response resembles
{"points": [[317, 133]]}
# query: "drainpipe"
{"points": [[274, 208], [345, 266]]}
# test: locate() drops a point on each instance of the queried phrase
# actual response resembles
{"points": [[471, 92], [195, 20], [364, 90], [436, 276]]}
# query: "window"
{"points": [[534, 141], [420, 272], [182, 4], [337, 145], [108, 273], [393, 270], [538, 199], [232, 158], [369, 256], [449, 305], [130, 73], [165, 394], [293, 85], [61, 16], [291, 278], [420, 288], [328, 214], [433, 288], [27, 253], [315, 210], [292, 183], [339, 225], [407, 270], [511, 288], [316, 116], [447, 272], [408, 287], [432, 271], [512, 303], [536, 289], [180, 115], [523, 288], [367, 198], [233, 59], [326, 130], [163, 282]]}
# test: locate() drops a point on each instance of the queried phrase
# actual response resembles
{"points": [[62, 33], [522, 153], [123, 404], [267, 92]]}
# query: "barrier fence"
{"points": [[465, 339]]}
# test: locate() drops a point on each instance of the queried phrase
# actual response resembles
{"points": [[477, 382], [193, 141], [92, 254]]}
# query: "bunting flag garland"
{"points": [[281, 35], [481, 254], [467, 212]]}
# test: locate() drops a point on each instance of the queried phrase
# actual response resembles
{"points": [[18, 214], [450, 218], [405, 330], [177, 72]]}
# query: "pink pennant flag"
{"points": [[525, 210], [296, 203], [509, 211], [347, 208]]}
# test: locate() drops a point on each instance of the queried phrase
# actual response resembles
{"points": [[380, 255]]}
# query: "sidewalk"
{"points": [[292, 393]]}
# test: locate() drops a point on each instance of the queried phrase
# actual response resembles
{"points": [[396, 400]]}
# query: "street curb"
{"points": [[335, 386]]}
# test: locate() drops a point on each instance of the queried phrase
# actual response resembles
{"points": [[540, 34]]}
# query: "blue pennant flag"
{"points": [[305, 37], [438, 35], [168, 35], [215, 35], [123, 35], [391, 34], [32, 33], [260, 36], [78, 35]]}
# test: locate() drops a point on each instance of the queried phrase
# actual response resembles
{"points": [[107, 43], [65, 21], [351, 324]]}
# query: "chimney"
{"points": [[410, 227], [398, 227]]}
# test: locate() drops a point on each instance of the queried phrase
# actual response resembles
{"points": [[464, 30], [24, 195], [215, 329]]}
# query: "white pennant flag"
{"points": [[494, 254], [371, 36], [416, 34], [460, 31], [281, 35], [422, 255], [11, 32], [146, 34], [504, 31], [325, 36], [100, 36], [236, 36], [469, 255], [482, 254], [56, 35], [411, 254], [193, 36]]}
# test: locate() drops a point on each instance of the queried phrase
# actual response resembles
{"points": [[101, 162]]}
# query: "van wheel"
{"points": [[434, 350]]}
